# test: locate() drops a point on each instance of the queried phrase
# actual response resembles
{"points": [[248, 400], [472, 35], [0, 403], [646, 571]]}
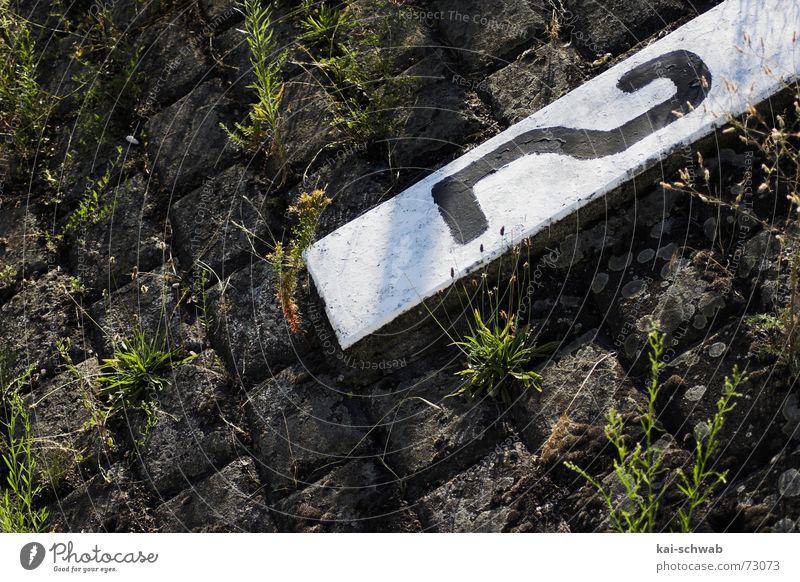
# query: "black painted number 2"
{"points": [[455, 194]]}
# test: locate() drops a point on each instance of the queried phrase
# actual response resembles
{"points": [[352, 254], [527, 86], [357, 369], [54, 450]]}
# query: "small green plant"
{"points": [[74, 287], [639, 470], [17, 503], [93, 208], [267, 60], [287, 262], [356, 70], [497, 353], [23, 105], [197, 293], [200, 300], [498, 345], [134, 377], [8, 275], [703, 478], [325, 27], [777, 337]]}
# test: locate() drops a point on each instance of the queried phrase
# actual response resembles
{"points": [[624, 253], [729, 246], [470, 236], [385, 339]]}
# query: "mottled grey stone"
{"points": [[194, 434], [535, 80], [582, 386], [486, 33], [487, 497], [185, 141], [231, 500], [301, 427], [249, 331], [33, 320], [613, 26], [426, 437], [359, 496], [224, 222]]}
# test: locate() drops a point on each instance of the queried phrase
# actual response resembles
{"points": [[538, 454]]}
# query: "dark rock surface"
{"points": [[764, 501], [151, 302], [615, 25], [195, 434], [249, 331], [109, 502], [40, 314], [230, 500], [424, 437], [302, 427], [185, 140], [487, 498], [71, 448], [751, 434], [22, 253], [686, 297], [360, 496], [439, 116], [177, 53], [488, 33], [222, 223], [105, 258], [539, 77], [584, 386]]}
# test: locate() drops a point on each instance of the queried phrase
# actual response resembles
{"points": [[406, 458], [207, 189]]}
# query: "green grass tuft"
{"points": [[497, 353], [325, 27], [134, 377]]}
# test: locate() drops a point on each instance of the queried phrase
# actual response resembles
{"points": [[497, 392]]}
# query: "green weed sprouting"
{"points": [[777, 337], [497, 352], [8, 275], [357, 73], [23, 105], [703, 479], [498, 347], [92, 207], [640, 470], [264, 117], [200, 300], [637, 469], [287, 262], [17, 503], [324, 27], [85, 388], [134, 377]]}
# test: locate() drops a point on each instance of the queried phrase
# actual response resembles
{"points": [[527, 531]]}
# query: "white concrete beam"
{"points": [[548, 166]]}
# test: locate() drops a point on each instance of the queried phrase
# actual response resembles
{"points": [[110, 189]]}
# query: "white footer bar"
{"points": [[401, 557]]}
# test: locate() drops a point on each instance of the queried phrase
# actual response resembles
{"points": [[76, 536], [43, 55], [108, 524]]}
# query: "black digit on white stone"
{"points": [[455, 195]]}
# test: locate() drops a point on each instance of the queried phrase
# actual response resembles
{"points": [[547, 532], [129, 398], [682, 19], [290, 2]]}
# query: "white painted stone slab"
{"points": [[390, 259]]}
